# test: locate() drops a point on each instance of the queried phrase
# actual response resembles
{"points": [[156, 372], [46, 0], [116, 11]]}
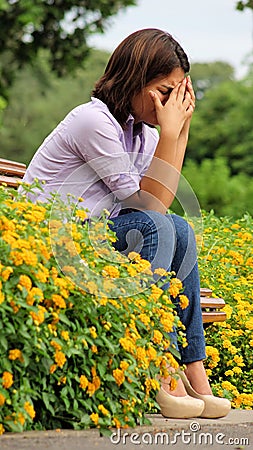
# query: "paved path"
{"points": [[234, 432]]}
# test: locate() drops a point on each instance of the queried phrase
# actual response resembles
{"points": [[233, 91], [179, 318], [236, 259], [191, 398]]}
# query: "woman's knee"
{"points": [[184, 232]]}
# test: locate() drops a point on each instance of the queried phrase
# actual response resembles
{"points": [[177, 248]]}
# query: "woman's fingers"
{"points": [[181, 90], [190, 90], [156, 100]]}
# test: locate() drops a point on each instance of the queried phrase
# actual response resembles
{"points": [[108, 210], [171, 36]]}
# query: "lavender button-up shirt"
{"points": [[89, 155]]}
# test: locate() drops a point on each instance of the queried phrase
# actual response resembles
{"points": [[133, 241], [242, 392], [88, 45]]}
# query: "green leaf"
{"points": [[46, 399], [3, 342], [110, 346]]}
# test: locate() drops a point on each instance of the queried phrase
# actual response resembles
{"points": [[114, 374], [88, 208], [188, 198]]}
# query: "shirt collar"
{"points": [[137, 129]]}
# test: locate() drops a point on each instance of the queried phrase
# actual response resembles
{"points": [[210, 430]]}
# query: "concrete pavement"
{"points": [[232, 432]]}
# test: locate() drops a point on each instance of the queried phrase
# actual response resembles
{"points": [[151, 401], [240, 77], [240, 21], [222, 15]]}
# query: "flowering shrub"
{"points": [[83, 329], [226, 266]]}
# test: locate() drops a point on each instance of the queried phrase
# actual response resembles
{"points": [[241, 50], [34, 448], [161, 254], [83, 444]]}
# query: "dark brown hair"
{"points": [[141, 57]]}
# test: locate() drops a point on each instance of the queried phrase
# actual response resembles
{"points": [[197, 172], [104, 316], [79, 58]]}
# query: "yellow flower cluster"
{"points": [[227, 253], [119, 376], [16, 354], [76, 325], [7, 380]]}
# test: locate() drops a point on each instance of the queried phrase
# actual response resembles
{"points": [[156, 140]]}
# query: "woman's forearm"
{"points": [[159, 184], [162, 177]]}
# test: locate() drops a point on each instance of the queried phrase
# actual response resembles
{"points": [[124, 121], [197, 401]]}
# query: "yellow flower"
{"points": [[2, 296], [94, 417], [2, 399], [6, 273], [53, 368], [34, 294], [16, 354], [124, 365], [29, 258], [29, 409], [173, 383], [132, 271], [144, 319], [167, 320], [69, 269], [127, 344], [81, 213], [38, 317], [226, 343], [175, 287], [227, 385], [91, 389], [151, 383], [83, 382], [183, 301], [239, 360], [249, 324], [2, 430], [60, 358], [7, 378], [65, 335], [214, 354], [107, 326], [156, 292], [103, 410], [58, 301], [42, 275], [93, 332], [111, 271], [92, 287], [84, 342], [116, 422], [161, 272], [133, 256], [140, 353], [151, 353], [237, 370], [172, 362], [119, 376], [56, 345], [157, 337], [25, 281]]}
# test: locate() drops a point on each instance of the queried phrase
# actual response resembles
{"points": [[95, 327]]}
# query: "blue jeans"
{"points": [[167, 241]]}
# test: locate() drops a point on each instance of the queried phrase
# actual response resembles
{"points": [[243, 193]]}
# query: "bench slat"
{"points": [[5, 170], [217, 316], [10, 181], [9, 163], [216, 303], [205, 292]]}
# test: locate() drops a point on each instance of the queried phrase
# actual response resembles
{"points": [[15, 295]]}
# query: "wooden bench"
{"points": [[11, 173], [211, 307]]}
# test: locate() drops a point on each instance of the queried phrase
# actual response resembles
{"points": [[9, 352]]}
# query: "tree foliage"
{"points": [[61, 26], [206, 75], [222, 126], [241, 5]]}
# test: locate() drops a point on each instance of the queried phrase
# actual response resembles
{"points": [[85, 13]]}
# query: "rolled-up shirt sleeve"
{"points": [[99, 141]]}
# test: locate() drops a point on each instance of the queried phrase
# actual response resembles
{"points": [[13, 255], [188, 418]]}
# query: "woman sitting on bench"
{"points": [[109, 152]]}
